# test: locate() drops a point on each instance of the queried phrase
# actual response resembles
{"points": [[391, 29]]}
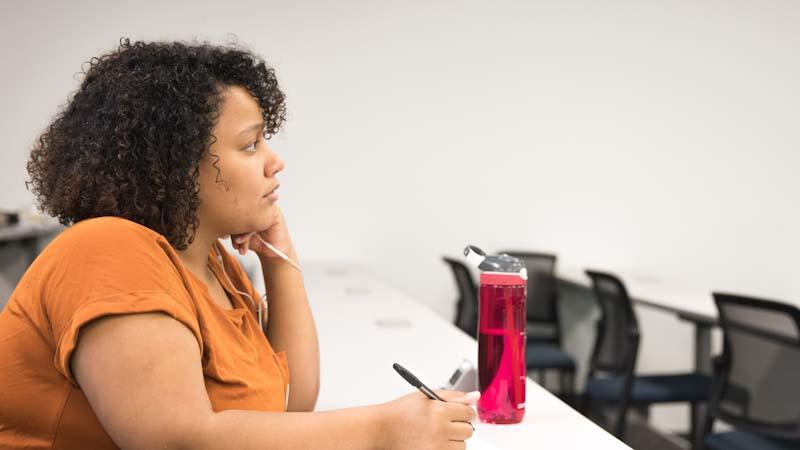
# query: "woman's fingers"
{"points": [[449, 395], [240, 247], [241, 242], [462, 413], [467, 398], [459, 431]]}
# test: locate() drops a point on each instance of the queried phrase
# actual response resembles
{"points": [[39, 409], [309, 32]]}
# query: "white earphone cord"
{"points": [[261, 305], [279, 253]]}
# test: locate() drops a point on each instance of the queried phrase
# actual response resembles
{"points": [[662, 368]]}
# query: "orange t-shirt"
{"points": [[106, 266]]}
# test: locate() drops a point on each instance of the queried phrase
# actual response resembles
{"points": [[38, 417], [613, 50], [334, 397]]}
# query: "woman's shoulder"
{"points": [[110, 255], [117, 231], [109, 241]]}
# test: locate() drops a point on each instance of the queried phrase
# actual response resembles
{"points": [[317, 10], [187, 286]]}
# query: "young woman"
{"points": [[134, 328]]}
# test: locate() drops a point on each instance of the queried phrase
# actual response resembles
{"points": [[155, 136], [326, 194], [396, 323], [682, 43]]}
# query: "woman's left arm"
{"points": [[290, 325], [291, 328]]}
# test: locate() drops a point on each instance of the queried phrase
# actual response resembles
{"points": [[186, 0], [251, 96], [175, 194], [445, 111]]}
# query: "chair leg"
{"points": [[567, 377], [699, 425], [620, 424], [707, 428], [571, 387], [644, 410], [584, 404]]}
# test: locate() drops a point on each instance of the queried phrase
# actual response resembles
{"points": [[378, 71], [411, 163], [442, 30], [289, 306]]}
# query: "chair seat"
{"points": [[649, 389], [545, 356], [743, 440], [541, 340]]}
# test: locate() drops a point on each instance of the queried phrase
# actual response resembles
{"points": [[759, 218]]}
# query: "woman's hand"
{"points": [[277, 234], [414, 422]]}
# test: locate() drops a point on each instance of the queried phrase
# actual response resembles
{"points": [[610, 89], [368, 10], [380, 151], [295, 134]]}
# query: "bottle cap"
{"points": [[496, 263]]}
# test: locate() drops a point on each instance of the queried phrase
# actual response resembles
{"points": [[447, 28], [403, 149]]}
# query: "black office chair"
{"points": [[755, 386], [467, 304], [611, 373], [543, 343]]}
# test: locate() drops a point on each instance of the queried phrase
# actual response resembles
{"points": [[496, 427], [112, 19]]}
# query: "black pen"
{"points": [[414, 381]]}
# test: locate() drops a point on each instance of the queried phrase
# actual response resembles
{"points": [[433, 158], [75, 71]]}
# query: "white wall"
{"points": [[656, 135]]}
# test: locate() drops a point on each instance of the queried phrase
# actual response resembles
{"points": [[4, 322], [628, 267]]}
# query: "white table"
{"points": [[365, 326]]}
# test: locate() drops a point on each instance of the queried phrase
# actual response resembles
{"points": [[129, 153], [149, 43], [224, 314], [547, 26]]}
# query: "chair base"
{"points": [[652, 389], [743, 440]]}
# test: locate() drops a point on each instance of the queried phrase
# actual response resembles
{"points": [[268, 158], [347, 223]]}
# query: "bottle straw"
{"points": [[513, 337]]}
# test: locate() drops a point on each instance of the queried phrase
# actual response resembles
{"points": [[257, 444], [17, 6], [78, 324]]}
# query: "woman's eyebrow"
{"points": [[252, 127]]}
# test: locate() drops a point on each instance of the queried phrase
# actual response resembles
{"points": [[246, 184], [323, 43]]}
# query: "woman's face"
{"points": [[241, 196]]}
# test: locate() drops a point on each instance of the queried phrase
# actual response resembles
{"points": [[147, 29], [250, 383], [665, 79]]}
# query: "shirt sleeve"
{"points": [[107, 267]]}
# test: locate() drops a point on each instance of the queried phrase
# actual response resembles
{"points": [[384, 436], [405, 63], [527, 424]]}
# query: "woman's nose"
{"points": [[273, 164]]}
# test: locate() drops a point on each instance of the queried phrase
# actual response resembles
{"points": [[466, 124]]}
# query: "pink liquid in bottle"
{"points": [[501, 348]]}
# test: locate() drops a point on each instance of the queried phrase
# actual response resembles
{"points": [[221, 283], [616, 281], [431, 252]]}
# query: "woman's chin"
{"points": [[248, 228], [254, 222]]}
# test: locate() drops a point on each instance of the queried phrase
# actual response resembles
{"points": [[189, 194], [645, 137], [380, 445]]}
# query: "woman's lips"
{"points": [[272, 196]]}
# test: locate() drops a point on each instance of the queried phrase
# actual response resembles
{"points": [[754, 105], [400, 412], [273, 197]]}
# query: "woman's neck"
{"points": [[195, 256]]}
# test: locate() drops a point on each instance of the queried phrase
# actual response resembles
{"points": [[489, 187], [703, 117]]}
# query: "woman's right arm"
{"points": [[142, 376]]}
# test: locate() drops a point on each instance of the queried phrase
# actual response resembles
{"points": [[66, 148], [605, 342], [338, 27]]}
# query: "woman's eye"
{"points": [[251, 147]]}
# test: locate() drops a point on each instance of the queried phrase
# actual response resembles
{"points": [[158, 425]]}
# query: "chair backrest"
{"points": [[467, 305], [542, 306], [617, 340], [757, 379]]}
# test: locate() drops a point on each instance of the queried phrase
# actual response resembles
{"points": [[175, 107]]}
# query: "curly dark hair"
{"points": [[129, 142]]}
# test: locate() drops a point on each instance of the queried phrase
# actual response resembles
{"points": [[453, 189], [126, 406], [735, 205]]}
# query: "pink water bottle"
{"points": [[501, 336]]}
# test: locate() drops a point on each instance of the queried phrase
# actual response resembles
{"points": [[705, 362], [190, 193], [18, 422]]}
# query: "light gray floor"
{"points": [[640, 435]]}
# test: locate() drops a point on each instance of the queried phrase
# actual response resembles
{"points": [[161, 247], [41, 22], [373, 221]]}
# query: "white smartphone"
{"points": [[464, 379]]}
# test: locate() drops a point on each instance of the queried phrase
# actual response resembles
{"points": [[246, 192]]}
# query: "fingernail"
{"points": [[474, 395]]}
